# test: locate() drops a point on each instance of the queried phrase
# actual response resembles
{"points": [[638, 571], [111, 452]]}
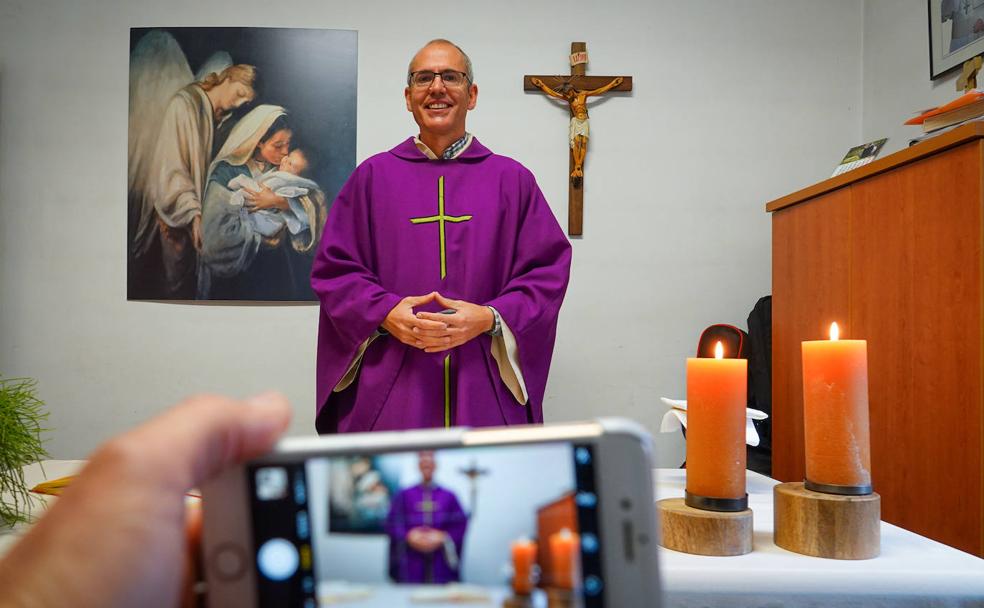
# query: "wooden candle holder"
{"points": [[518, 601], [561, 598], [704, 532], [826, 525]]}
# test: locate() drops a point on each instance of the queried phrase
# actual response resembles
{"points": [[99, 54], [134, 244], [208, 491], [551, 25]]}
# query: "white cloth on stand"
{"points": [[677, 417]]}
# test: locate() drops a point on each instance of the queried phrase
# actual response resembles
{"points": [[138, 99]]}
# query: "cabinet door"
{"points": [[915, 285], [810, 288]]}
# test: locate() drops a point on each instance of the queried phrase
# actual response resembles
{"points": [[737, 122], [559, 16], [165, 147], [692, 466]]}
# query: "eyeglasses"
{"points": [[424, 78]]}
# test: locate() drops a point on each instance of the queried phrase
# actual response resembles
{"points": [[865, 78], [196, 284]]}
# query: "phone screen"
{"points": [[458, 525]]}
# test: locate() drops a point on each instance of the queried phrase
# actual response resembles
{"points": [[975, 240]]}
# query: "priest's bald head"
{"points": [[442, 41], [440, 91]]}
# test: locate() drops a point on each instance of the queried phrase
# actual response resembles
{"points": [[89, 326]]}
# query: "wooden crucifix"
{"points": [[967, 80], [575, 90]]}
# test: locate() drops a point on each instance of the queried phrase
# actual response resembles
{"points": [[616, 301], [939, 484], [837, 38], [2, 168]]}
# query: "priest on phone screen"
{"points": [[426, 526]]}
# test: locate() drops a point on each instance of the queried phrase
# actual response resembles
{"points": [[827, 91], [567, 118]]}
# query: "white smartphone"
{"points": [[563, 514]]}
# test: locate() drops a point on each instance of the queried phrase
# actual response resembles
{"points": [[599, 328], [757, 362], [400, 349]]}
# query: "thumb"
{"points": [[447, 302], [239, 432], [418, 300], [204, 435]]}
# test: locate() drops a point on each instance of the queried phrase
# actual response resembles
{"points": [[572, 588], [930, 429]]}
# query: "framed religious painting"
{"points": [[239, 139], [956, 33], [360, 491]]}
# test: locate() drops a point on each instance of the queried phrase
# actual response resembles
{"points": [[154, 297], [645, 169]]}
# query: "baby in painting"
{"points": [[285, 181]]}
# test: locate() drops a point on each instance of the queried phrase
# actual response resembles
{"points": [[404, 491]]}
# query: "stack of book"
{"points": [[967, 107]]}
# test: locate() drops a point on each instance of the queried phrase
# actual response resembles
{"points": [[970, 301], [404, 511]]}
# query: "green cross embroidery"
{"points": [[440, 218], [427, 507]]}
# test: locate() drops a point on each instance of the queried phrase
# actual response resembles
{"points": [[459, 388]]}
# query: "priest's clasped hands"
{"points": [[434, 332], [425, 539]]}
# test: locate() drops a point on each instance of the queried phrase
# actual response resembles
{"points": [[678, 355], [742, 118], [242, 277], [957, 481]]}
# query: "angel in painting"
{"points": [[173, 117]]}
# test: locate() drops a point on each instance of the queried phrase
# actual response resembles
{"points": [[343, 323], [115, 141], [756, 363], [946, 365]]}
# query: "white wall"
{"points": [[735, 103], [896, 71]]}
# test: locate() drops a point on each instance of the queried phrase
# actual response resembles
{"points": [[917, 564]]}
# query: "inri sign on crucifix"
{"points": [[575, 90]]}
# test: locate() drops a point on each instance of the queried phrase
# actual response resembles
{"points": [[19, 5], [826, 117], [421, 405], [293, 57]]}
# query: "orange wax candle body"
{"points": [[563, 558], [835, 412], [716, 397], [523, 558]]}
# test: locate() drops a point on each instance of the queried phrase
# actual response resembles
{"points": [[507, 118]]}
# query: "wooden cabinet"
{"points": [[893, 252]]}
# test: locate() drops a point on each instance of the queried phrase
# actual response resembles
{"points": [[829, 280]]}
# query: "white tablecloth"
{"points": [[402, 596], [911, 570]]}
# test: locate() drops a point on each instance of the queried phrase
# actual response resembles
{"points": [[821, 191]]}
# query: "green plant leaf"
{"points": [[22, 424]]}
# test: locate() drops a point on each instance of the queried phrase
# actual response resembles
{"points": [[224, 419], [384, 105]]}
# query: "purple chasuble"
{"points": [[428, 506], [383, 241]]}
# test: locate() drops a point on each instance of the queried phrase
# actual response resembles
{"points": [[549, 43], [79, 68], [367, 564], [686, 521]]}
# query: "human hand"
{"points": [[117, 537], [265, 198], [407, 328], [416, 538], [196, 233], [435, 538], [425, 539], [469, 320]]}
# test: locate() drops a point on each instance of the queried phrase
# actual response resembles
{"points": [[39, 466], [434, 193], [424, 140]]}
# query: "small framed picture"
{"points": [[858, 156], [956, 34]]}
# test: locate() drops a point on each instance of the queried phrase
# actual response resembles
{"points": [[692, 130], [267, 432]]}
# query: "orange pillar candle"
{"points": [[835, 414], [716, 399], [563, 558], [523, 558]]}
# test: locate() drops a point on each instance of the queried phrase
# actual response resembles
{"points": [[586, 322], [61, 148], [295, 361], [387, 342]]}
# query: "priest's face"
{"points": [[439, 109], [425, 461]]}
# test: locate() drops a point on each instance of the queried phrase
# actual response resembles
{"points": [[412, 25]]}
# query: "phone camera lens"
{"points": [[626, 504]]}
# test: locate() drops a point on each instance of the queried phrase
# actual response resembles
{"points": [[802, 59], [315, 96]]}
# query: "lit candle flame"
{"points": [[718, 351], [834, 331]]}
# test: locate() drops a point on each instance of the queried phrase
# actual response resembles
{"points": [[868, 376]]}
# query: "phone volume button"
{"points": [[628, 538]]}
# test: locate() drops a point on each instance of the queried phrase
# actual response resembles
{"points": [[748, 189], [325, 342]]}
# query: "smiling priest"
{"points": [[441, 274]]}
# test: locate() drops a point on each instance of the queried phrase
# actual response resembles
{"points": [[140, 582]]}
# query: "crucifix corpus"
{"points": [[575, 90]]}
